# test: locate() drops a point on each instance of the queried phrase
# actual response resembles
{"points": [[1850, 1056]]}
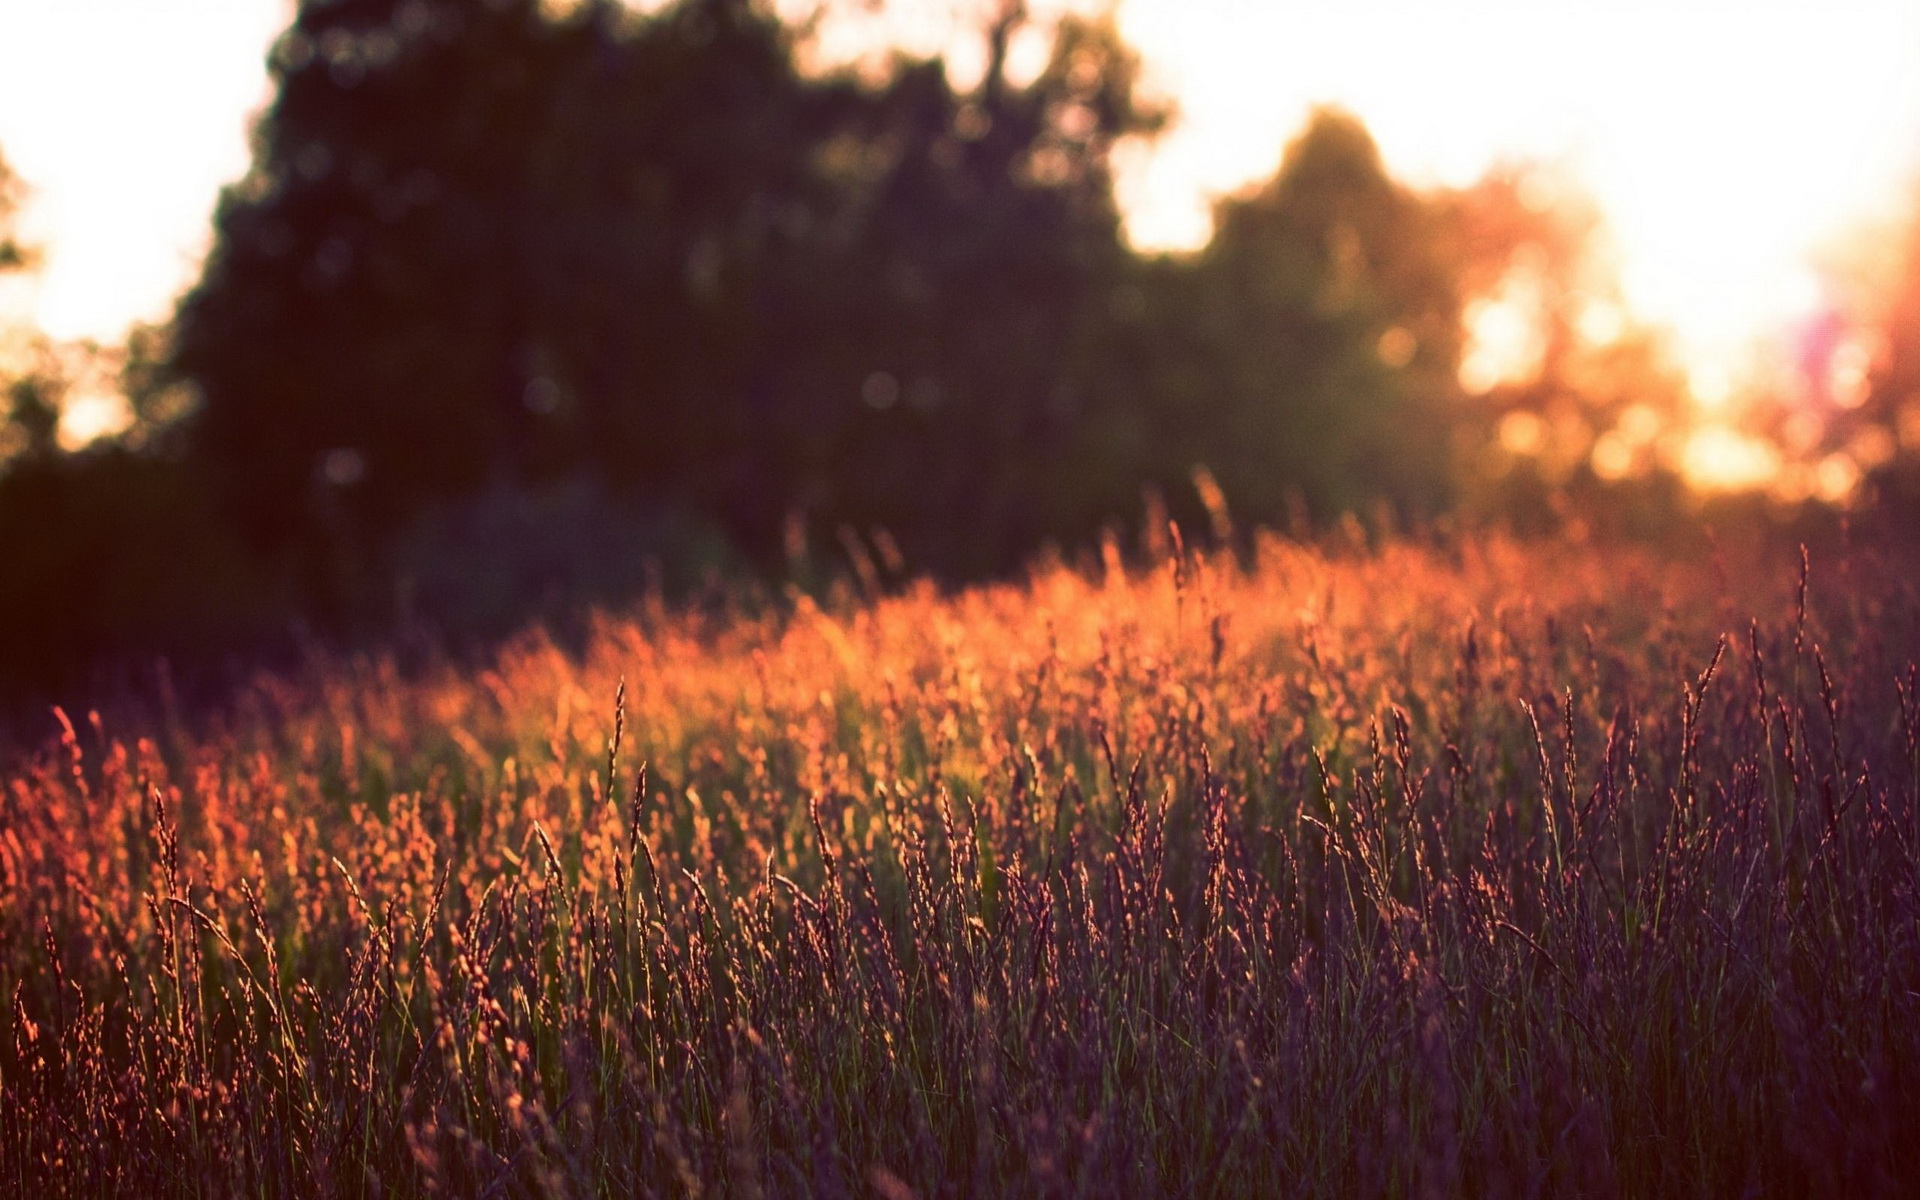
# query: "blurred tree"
{"points": [[36, 386], [489, 245], [107, 551], [1862, 391], [945, 363], [14, 255], [360, 337], [32, 383], [485, 242], [505, 264], [1569, 403], [1309, 351], [708, 200], [1351, 315]]}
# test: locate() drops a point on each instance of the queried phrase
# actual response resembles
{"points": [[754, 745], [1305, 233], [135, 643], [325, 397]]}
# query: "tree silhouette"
{"points": [[360, 334], [31, 380], [485, 243], [946, 361], [1309, 351]]}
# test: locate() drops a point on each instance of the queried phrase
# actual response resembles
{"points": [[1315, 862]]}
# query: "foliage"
{"points": [[875, 305], [1443, 868], [486, 245], [486, 248], [1309, 352], [1868, 402], [28, 411], [647, 272], [112, 557], [14, 254], [1585, 423]]}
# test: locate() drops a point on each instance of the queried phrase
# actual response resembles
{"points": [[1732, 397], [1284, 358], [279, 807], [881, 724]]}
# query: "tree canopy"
{"points": [[502, 265], [483, 243]]}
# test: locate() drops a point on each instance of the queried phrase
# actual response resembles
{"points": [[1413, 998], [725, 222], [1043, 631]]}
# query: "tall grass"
{"points": [[1430, 870]]}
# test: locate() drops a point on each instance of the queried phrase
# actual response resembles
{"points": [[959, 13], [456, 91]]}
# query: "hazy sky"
{"points": [[1725, 141], [125, 117]]}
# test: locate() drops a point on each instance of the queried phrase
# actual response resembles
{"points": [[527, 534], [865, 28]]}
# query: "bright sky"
{"points": [[1725, 141], [125, 117]]}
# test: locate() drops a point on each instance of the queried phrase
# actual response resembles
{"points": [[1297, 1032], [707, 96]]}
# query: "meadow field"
{"points": [[1444, 866]]}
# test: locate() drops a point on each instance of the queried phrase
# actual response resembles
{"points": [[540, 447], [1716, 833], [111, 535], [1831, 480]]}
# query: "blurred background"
{"points": [[403, 321]]}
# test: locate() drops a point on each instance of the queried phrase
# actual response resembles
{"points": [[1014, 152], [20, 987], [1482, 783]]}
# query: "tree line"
{"points": [[516, 298]]}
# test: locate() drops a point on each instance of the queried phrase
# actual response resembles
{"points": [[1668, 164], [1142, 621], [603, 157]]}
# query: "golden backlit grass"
{"points": [[1438, 868]]}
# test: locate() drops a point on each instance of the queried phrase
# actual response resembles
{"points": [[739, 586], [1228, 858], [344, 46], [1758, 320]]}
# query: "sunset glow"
{"points": [[960, 597], [1725, 143]]}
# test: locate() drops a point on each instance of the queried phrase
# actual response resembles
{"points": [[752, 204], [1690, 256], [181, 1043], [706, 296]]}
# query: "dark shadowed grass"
{"points": [[1434, 870]]}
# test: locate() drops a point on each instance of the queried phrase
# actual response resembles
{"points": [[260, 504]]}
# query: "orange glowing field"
{"points": [[1552, 831], [1434, 868]]}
